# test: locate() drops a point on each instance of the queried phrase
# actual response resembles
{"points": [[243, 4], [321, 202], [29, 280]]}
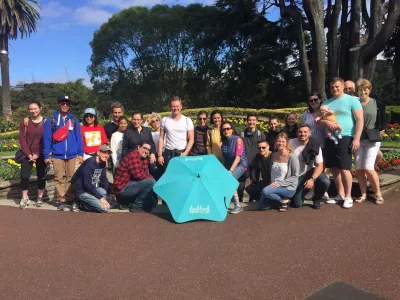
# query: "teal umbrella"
{"points": [[196, 187]]}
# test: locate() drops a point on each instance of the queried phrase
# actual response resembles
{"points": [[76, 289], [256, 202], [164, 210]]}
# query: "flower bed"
{"points": [[10, 170], [392, 133]]}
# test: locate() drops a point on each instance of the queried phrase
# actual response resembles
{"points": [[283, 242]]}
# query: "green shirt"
{"points": [[343, 108]]}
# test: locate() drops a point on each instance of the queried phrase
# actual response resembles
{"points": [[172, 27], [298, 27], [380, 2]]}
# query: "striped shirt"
{"points": [[317, 132]]}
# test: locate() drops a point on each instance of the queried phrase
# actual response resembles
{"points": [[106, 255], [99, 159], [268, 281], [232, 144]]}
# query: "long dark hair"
{"points": [[95, 123], [308, 102], [214, 112], [234, 132]]}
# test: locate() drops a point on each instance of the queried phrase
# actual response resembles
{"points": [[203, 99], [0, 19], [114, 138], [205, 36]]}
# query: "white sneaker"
{"points": [[338, 198], [325, 196], [309, 195], [348, 203]]}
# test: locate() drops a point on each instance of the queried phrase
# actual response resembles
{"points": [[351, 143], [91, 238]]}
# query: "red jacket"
{"points": [[93, 137]]}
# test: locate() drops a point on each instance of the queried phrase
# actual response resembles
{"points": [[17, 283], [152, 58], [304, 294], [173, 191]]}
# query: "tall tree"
{"points": [[17, 16]]}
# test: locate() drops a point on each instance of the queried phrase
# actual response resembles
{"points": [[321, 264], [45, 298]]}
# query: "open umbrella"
{"points": [[196, 187]]}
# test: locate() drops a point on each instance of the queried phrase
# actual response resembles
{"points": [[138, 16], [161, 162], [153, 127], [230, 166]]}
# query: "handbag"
{"points": [[373, 135], [19, 155]]}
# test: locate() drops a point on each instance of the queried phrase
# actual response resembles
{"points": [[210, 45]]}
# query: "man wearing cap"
{"points": [[93, 134], [62, 149], [91, 184]]}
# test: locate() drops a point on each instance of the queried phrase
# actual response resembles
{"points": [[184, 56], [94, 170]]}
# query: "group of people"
{"points": [[279, 168]]}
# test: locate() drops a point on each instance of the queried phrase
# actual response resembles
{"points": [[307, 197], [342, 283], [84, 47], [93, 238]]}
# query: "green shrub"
{"points": [[10, 170]]}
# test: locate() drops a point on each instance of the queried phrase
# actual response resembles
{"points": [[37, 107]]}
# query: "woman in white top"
{"points": [[116, 141], [308, 117], [285, 169]]}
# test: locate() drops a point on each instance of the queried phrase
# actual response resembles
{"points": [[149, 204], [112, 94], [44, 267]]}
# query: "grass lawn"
{"points": [[390, 145], [9, 153]]}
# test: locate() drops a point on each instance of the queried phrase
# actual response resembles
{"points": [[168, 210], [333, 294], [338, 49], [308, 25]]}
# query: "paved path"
{"points": [[253, 255]]}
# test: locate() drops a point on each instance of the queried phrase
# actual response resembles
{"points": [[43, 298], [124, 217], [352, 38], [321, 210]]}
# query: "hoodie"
{"points": [[68, 148]]}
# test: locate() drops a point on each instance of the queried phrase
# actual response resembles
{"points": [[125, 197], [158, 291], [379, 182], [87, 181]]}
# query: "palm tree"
{"points": [[15, 16]]}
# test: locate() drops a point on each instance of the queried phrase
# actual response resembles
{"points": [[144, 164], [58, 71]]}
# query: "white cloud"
{"points": [[91, 16], [59, 26], [54, 9], [121, 4]]}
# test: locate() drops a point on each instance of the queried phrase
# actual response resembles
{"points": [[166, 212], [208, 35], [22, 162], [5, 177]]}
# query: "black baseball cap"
{"points": [[64, 98]]}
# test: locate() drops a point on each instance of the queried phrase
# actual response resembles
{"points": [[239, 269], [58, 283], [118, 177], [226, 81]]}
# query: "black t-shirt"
{"points": [[110, 128]]}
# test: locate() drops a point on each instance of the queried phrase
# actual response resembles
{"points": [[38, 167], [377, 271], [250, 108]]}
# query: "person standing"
{"points": [[250, 136], [272, 132], [350, 88], [214, 134], [308, 117], [291, 125], [116, 141], [311, 175], [91, 184], [154, 122], [284, 176], [93, 134], [338, 157], [374, 123], [178, 132], [117, 110], [62, 143], [31, 140], [234, 158], [200, 135]]}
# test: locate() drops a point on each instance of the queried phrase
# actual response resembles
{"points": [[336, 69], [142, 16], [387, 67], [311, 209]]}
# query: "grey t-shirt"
{"points": [[370, 111]]}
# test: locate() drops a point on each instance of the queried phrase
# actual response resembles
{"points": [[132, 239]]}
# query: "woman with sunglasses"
{"points": [[214, 134], [308, 117], [285, 168], [291, 125], [116, 141], [234, 157], [93, 134]]}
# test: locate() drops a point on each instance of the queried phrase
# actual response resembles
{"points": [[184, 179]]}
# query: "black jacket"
{"points": [[381, 118], [132, 139]]}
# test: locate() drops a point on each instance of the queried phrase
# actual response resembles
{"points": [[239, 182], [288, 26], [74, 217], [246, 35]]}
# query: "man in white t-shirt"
{"points": [[311, 175], [178, 132]]}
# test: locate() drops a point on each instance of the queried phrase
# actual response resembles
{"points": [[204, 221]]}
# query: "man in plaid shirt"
{"points": [[133, 185]]}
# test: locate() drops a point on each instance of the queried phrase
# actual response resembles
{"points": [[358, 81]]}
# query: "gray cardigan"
{"points": [[291, 179]]}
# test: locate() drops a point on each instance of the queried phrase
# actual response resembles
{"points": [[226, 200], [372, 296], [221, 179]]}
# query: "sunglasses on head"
{"points": [[262, 148]]}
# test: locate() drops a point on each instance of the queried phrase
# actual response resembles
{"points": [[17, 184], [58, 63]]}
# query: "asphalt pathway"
{"points": [[254, 255]]}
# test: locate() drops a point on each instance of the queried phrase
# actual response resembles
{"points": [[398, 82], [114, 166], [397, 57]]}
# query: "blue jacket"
{"points": [[68, 148]]}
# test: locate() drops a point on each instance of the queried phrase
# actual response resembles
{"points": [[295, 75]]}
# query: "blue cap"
{"points": [[90, 111]]}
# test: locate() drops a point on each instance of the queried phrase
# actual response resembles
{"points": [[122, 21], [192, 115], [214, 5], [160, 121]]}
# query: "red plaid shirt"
{"points": [[132, 168]]}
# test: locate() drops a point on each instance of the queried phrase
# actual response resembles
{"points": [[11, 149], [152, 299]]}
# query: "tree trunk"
{"points": [[344, 37], [333, 39], [295, 14], [314, 10], [354, 71], [5, 76]]}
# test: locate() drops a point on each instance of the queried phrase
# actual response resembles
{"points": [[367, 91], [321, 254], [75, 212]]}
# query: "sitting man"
{"points": [[133, 185], [311, 175], [91, 184], [260, 165]]}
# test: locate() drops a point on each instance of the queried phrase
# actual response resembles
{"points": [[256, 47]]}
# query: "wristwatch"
{"points": [[314, 179]]}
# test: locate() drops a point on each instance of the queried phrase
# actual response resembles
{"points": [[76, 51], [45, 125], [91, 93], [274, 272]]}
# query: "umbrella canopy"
{"points": [[196, 187]]}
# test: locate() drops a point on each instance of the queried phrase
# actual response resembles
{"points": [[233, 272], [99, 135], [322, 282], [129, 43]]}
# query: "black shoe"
{"points": [[123, 207], [317, 204]]}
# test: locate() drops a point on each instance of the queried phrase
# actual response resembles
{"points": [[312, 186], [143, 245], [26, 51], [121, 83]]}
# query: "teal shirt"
{"points": [[343, 108]]}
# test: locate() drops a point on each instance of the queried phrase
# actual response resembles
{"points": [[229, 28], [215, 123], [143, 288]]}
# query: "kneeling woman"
{"points": [[284, 176], [234, 157]]}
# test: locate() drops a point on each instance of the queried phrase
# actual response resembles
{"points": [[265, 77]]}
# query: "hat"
{"points": [[63, 98], [105, 148], [90, 111]]}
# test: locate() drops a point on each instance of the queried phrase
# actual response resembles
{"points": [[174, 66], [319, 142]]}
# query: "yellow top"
{"points": [[214, 143]]}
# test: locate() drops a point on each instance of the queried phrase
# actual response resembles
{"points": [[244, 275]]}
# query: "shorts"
{"points": [[338, 156], [366, 155]]}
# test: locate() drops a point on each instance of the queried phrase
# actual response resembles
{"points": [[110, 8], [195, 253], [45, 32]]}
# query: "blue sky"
{"points": [[62, 40]]}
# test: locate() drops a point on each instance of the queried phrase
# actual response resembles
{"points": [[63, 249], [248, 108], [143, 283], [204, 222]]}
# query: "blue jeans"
{"points": [[138, 195], [321, 185], [89, 202], [270, 196], [238, 172]]}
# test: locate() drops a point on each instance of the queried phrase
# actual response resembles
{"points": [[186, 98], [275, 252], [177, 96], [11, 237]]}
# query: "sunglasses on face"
{"points": [[147, 149], [262, 148], [63, 103], [313, 100], [226, 129], [202, 119], [156, 120], [89, 116]]}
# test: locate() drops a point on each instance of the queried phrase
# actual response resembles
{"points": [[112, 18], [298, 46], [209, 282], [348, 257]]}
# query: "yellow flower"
{"points": [[397, 134], [385, 134], [15, 145]]}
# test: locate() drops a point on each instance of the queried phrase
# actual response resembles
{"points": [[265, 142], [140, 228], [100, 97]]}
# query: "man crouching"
{"points": [[91, 184]]}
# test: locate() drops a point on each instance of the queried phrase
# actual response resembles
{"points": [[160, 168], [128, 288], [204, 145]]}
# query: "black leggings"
{"points": [[26, 169]]}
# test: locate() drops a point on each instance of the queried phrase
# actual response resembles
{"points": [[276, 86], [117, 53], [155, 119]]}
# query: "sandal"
{"points": [[379, 200], [284, 206], [361, 199]]}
